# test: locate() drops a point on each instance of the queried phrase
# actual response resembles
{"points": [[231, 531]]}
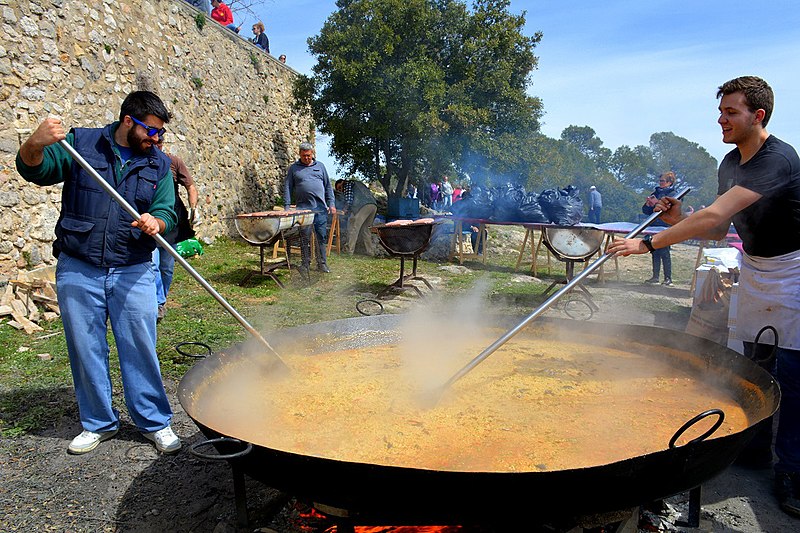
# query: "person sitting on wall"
{"points": [[223, 14], [259, 37], [202, 5]]}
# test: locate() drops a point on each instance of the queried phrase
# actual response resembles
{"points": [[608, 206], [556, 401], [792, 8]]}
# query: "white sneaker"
{"points": [[88, 441], [166, 441]]}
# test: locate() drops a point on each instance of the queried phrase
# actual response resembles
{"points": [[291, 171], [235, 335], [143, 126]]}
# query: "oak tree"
{"points": [[410, 89]]}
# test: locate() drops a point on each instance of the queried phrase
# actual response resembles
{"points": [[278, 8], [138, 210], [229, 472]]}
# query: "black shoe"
{"points": [[324, 268], [303, 271], [667, 282], [162, 312], [651, 280], [786, 493]]}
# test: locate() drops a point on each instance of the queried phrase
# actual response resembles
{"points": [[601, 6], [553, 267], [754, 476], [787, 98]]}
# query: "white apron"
{"points": [[769, 295]]}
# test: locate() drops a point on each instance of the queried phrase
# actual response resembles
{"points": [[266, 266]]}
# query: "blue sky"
{"points": [[627, 69]]}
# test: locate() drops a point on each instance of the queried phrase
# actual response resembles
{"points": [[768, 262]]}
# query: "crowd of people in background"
{"points": [[221, 13], [441, 195]]}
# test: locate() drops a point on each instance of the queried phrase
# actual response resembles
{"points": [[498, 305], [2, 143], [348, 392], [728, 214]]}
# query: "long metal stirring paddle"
{"points": [[550, 301], [162, 242]]}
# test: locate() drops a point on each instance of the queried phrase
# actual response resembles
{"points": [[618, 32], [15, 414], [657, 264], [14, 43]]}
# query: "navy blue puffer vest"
{"points": [[92, 225]]}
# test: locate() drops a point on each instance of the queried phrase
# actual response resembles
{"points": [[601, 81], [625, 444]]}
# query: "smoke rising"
{"points": [[439, 338]]}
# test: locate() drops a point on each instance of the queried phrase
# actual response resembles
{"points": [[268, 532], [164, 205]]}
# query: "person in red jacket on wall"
{"points": [[223, 14]]}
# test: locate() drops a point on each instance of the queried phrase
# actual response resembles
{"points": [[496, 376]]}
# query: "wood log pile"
{"points": [[30, 299]]}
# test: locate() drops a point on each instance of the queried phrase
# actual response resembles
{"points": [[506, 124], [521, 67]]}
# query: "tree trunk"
{"points": [[386, 178], [402, 174]]}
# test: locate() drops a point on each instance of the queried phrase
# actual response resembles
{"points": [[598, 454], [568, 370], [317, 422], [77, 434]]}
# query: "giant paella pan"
{"points": [[568, 419]]}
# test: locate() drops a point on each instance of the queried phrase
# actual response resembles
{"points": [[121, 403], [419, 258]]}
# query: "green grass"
{"points": [[35, 394]]}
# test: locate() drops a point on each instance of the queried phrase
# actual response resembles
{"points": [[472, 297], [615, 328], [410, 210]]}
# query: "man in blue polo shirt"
{"points": [[308, 184]]}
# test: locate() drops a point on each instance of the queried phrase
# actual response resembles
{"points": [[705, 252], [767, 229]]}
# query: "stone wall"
{"points": [[233, 123]]}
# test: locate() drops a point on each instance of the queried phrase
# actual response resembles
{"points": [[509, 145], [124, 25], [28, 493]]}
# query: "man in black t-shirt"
{"points": [[759, 190], [770, 226]]}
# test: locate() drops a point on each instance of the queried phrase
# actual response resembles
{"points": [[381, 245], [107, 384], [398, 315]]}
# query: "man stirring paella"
{"points": [[759, 190]]}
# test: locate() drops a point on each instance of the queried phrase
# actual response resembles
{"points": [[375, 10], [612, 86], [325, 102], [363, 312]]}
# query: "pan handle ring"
{"points": [[366, 312], [574, 314], [720, 417], [194, 355], [218, 456], [771, 356]]}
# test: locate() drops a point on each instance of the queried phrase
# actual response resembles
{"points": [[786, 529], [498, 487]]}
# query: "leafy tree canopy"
{"points": [[411, 89], [588, 143], [634, 167]]}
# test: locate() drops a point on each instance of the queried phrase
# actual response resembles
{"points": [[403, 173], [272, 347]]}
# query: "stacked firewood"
{"points": [[29, 299]]}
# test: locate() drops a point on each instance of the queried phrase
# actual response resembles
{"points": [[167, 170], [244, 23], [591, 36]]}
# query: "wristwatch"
{"points": [[647, 240]]}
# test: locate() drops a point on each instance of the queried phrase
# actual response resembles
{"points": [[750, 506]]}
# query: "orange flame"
{"points": [[311, 520]]}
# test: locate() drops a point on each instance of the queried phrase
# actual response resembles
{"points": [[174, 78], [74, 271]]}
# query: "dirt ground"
{"points": [[126, 486]]}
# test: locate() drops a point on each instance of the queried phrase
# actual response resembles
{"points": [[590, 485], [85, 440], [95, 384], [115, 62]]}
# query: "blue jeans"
{"points": [[662, 255], [473, 239], [165, 268], [202, 5], [320, 227], [90, 297], [786, 369]]}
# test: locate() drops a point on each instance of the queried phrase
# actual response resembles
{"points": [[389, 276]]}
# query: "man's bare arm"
{"points": [[191, 190], [711, 223]]}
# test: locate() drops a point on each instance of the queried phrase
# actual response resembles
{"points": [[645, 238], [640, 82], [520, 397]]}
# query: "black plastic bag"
{"points": [[531, 210], [562, 206], [507, 203], [477, 204]]}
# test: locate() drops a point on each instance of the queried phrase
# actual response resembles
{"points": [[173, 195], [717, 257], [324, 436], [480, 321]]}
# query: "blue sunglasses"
{"points": [[150, 130]]}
